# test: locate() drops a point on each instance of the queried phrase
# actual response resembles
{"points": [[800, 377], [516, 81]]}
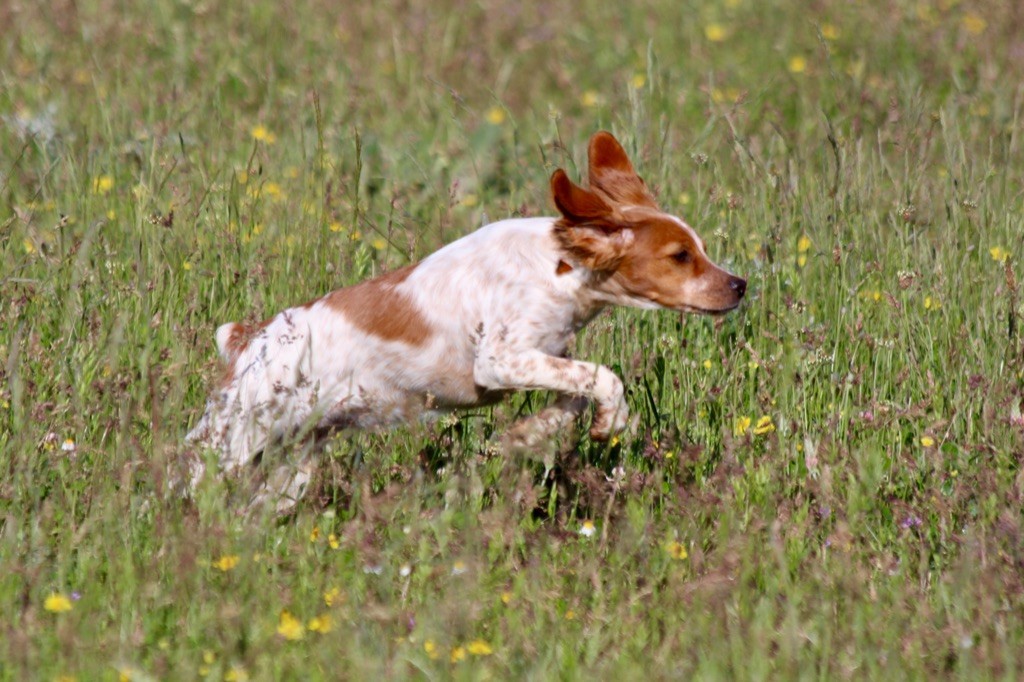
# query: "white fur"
{"points": [[501, 319]]}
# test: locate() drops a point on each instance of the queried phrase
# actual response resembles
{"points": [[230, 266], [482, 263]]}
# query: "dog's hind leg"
{"points": [[552, 421], [286, 484]]}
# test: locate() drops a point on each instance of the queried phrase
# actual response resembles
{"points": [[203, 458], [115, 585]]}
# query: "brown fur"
{"points": [[615, 227], [241, 336], [612, 173], [586, 225], [377, 308], [239, 339]]}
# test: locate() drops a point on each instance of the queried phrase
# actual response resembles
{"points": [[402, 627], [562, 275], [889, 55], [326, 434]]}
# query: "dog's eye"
{"points": [[682, 257]]}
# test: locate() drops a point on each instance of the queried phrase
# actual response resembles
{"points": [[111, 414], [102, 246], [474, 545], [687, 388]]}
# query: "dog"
{"points": [[493, 312]]}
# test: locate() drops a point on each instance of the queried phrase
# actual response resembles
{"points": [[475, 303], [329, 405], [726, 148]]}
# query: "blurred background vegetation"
{"points": [[826, 483]]}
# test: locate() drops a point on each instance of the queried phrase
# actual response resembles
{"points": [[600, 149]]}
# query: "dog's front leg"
{"points": [[502, 366]]}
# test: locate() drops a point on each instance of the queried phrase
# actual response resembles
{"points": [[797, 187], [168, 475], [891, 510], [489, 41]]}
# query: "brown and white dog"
{"points": [[491, 313]]}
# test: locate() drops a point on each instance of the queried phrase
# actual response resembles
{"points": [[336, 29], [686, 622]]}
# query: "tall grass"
{"points": [[826, 483]]}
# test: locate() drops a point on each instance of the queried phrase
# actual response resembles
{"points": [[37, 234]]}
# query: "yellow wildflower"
{"points": [[998, 253], [102, 184], [764, 425], [927, 441], [236, 674], [261, 134], [321, 624], [974, 24], [226, 562], [740, 426], [676, 550], [57, 603], [797, 64], [274, 191], [495, 115], [290, 627], [714, 32], [718, 96], [479, 647]]}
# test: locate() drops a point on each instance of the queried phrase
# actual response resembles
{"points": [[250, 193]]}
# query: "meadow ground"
{"points": [[824, 484]]}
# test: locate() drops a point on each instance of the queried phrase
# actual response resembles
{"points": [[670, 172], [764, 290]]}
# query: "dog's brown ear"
{"points": [[576, 204], [612, 174], [589, 232]]}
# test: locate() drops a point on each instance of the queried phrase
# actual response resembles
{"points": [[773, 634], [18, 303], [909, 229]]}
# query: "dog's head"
{"points": [[645, 257]]}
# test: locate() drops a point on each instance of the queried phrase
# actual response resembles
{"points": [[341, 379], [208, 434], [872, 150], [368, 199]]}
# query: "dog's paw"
{"points": [[609, 420]]}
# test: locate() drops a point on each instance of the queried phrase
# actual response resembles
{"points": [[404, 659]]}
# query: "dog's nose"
{"points": [[739, 286]]}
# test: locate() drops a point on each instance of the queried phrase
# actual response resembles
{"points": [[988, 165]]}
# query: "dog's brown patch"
{"points": [[377, 308], [237, 340]]}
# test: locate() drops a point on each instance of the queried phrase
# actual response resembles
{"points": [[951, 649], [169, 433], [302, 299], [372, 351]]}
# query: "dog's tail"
{"points": [[232, 338]]}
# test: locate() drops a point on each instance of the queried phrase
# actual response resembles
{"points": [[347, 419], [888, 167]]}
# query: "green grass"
{"points": [[861, 167]]}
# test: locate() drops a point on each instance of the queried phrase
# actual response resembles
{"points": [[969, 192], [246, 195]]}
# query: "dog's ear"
{"points": [[590, 231], [612, 174], [576, 204]]}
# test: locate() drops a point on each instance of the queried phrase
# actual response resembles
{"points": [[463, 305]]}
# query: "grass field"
{"points": [[825, 484]]}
